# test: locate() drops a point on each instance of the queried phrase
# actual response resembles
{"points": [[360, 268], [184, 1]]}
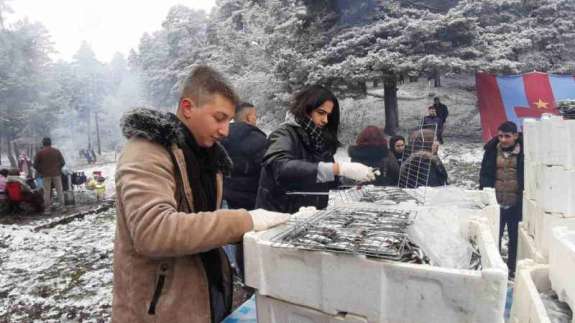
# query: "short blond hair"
{"points": [[203, 82]]}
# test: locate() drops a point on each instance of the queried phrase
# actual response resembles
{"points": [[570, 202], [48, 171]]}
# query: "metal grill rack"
{"points": [[416, 165], [374, 194], [371, 232]]}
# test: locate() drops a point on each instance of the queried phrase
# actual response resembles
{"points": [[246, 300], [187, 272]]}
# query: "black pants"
{"points": [[440, 133], [510, 217]]}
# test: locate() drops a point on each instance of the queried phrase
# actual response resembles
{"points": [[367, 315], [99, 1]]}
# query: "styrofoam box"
{"points": [[530, 189], [531, 139], [545, 222], [531, 279], [556, 190], [378, 290], [562, 265], [491, 211], [557, 150], [526, 247], [271, 310], [530, 214]]}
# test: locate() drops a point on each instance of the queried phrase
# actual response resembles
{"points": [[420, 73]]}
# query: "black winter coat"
{"points": [[422, 169], [290, 166], [488, 172], [246, 145], [377, 157]]}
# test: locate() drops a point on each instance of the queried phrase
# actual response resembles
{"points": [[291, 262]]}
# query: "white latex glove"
{"points": [[356, 171], [264, 220]]}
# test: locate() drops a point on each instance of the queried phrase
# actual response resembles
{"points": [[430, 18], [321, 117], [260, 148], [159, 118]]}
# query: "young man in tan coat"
{"points": [[168, 261]]}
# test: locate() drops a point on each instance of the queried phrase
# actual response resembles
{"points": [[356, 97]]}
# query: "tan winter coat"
{"points": [[158, 240]]}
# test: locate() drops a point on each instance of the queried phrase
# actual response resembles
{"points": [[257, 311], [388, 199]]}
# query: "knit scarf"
{"points": [[315, 133]]}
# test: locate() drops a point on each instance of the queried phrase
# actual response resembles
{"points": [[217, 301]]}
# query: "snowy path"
{"points": [[58, 274]]}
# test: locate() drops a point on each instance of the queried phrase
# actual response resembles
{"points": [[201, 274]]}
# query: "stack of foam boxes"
{"points": [[548, 208], [294, 285]]}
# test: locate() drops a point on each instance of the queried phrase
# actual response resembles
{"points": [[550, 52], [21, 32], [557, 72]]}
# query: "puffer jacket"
{"points": [[488, 172], [289, 172], [246, 145], [158, 271]]}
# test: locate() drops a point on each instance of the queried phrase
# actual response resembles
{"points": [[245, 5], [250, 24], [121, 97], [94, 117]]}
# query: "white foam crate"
{"points": [[556, 190], [531, 280], [562, 265], [544, 229], [531, 139], [526, 247], [530, 182], [271, 310], [491, 210], [558, 150], [381, 291], [530, 213]]}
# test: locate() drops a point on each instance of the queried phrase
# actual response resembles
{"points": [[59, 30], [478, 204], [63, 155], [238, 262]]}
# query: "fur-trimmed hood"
{"points": [[164, 129]]}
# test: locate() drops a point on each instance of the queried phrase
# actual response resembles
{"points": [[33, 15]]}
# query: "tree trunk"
{"points": [[12, 154], [390, 101], [436, 79], [98, 133], [1, 142], [89, 131]]}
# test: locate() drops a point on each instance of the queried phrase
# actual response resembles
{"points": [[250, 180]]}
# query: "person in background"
{"points": [[298, 167], [397, 148], [432, 121], [3, 195], [48, 163], [31, 199], [442, 112], [371, 150], [502, 169], [25, 165], [168, 262], [423, 166], [246, 146]]}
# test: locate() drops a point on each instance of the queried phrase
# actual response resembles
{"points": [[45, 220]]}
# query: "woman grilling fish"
{"points": [[298, 168]]}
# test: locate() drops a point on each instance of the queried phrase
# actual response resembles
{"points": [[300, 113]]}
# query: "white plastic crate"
{"points": [[526, 246], [531, 280], [562, 264], [544, 229], [271, 310], [381, 291], [556, 190]]}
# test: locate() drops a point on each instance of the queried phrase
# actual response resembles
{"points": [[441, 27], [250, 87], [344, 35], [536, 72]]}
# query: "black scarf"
{"points": [[202, 170], [201, 164], [315, 133]]}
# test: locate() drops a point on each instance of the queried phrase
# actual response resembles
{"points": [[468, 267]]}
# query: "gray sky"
{"points": [[109, 26]]}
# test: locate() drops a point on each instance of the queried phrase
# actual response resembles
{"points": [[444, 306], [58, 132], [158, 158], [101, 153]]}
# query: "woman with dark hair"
{"points": [[371, 149], [397, 148], [298, 168]]}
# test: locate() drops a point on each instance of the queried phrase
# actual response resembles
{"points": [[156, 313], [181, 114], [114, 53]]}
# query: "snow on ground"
{"points": [[58, 274]]}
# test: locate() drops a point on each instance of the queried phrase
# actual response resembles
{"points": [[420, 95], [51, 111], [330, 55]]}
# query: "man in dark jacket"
{"points": [[49, 162], [442, 112], [246, 146], [502, 169]]}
